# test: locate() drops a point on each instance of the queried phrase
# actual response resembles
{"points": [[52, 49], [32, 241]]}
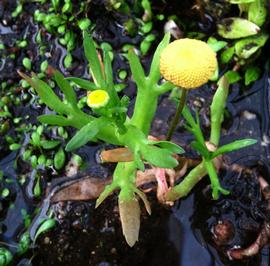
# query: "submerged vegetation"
{"points": [[95, 106]]}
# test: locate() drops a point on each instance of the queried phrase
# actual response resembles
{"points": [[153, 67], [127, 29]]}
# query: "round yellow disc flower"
{"points": [[188, 63], [97, 98]]}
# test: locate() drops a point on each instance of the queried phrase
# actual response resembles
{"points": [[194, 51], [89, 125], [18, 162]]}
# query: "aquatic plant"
{"points": [[109, 121]]}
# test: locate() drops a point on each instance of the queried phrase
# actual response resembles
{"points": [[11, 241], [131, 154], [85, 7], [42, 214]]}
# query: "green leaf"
{"points": [[215, 44], [154, 73], [252, 74], [84, 24], [227, 55], [59, 159], [46, 94], [248, 46], [232, 76], [45, 226], [56, 120], [168, 145], [49, 144], [159, 157], [136, 68], [24, 243], [83, 83], [108, 70], [235, 28], [257, 12], [65, 88], [236, 145], [85, 134], [93, 59], [5, 257]]}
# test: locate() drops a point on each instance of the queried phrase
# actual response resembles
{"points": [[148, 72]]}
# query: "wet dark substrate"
{"points": [[85, 236]]}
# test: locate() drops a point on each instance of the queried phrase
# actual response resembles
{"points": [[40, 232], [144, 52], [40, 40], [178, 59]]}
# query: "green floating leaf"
{"points": [[49, 144], [85, 134], [5, 257], [257, 12], [56, 120], [65, 88], [44, 227], [232, 76], [236, 145], [93, 59], [252, 74], [248, 46], [136, 68], [235, 28], [154, 73], [24, 243], [83, 83], [168, 145], [59, 159], [215, 44], [159, 157]]}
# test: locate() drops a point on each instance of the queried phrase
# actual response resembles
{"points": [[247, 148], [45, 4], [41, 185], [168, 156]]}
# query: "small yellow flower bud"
{"points": [[97, 98], [188, 63]]}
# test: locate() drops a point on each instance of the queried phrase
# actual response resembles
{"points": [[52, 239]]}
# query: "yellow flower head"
{"points": [[188, 63], [97, 98]]}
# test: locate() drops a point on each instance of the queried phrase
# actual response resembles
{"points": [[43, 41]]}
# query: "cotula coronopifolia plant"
{"points": [[109, 122]]}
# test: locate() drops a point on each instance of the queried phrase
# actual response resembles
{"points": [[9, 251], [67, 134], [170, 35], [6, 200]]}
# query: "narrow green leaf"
{"points": [[56, 120], [138, 160], [83, 83], [93, 59], [236, 145], [85, 134], [154, 73], [46, 94], [168, 145], [65, 88], [108, 69], [136, 68]]}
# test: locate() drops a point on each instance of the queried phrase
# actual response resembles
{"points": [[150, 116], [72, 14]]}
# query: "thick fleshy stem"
{"points": [[217, 109], [178, 112]]}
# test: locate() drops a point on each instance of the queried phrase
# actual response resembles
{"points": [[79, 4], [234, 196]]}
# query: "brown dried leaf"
{"points": [[130, 219]]}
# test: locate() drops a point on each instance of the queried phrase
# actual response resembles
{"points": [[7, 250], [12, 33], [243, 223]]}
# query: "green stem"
{"points": [[145, 108], [183, 189], [217, 109], [177, 114]]}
